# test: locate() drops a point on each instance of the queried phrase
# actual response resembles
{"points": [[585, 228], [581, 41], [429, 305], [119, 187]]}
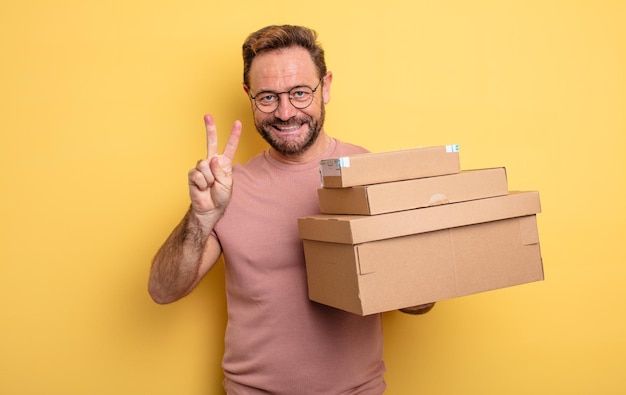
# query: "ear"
{"points": [[245, 89], [328, 79]]}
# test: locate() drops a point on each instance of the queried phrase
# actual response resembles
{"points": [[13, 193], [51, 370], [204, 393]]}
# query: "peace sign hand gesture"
{"points": [[210, 182]]}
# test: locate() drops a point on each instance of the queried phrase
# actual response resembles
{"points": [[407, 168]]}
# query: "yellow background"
{"points": [[101, 106]]}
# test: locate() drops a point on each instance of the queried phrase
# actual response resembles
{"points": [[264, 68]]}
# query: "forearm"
{"points": [[176, 266]]}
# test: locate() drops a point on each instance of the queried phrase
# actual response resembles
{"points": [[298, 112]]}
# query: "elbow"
{"points": [[159, 299], [418, 310], [159, 295]]}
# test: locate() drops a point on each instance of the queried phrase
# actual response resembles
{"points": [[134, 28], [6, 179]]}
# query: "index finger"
{"points": [[211, 136]]}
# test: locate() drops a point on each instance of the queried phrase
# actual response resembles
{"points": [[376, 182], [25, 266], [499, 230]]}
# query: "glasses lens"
{"points": [[266, 101], [301, 97]]}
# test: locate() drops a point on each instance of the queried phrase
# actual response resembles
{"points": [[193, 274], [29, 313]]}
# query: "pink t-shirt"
{"points": [[278, 341]]}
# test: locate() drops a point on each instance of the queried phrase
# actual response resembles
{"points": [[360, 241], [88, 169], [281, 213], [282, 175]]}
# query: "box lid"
{"points": [[355, 229], [377, 167]]}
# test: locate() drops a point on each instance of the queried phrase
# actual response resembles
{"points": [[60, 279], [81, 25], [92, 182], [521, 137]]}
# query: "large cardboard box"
{"points": [[373, 168], [422, 255], [410, 194]]}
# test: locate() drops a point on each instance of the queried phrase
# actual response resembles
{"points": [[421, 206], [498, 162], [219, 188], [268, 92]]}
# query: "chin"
{"points": [[290, 146]]}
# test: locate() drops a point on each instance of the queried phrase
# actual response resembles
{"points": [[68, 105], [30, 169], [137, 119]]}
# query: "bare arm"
{"points": [[189, 252], [181, 262]]}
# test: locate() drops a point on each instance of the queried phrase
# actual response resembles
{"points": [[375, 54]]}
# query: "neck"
{"points": [[313, 152]]}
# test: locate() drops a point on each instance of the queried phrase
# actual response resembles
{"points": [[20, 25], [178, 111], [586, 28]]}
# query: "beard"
{"points": [[291, 146]]}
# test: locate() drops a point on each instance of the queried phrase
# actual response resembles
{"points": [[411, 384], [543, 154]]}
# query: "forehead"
{"points": [[282, 69]]}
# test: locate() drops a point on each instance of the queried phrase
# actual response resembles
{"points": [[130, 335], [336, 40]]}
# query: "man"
{"points": [[277, 341]]}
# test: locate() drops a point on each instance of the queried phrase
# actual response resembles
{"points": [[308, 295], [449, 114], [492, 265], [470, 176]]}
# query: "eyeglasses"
{"points": [[300, 97]]}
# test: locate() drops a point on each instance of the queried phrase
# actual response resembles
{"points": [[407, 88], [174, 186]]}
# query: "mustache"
{"points": [[296, 121]]}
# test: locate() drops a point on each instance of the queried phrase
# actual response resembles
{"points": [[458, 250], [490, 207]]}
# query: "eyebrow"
{"points": [[288, 90]]}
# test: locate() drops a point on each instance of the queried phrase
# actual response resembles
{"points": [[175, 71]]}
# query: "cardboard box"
{"points": [[355, 229], [426, 255], [410, 194], [374, 168]]}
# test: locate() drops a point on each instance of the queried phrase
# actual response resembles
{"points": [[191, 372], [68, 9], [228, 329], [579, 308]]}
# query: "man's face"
{"points": [[289, 130]]}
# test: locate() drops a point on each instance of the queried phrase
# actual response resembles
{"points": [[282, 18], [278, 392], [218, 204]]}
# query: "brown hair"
{"points": [[276, 37]]}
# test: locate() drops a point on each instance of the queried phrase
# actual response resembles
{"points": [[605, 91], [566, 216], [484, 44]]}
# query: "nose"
{"points": [[285, 109]]}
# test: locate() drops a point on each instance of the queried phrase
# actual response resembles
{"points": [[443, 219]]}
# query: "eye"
{"points": [[266, 98], [300, 93]]}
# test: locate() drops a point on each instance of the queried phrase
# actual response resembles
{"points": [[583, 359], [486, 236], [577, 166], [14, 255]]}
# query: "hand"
{"points": [[210, 182], [419, 309]]}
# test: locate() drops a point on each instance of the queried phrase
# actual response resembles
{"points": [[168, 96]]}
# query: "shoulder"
{"points": [[343, 148]]}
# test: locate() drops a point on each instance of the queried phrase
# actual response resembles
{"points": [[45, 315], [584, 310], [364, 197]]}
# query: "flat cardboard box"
{"points": [[390, 274], [372, 264], [374, 168], [410, 194], [356, 229]]}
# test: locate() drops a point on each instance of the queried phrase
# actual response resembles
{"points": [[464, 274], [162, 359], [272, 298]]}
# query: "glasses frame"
{"points": [[278, 94]]}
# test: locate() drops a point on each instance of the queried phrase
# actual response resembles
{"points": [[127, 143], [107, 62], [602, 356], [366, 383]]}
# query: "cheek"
{"points": [[260, 118]]}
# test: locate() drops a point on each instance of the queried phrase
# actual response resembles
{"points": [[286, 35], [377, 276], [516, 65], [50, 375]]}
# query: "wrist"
{"points": [[202, 223]]}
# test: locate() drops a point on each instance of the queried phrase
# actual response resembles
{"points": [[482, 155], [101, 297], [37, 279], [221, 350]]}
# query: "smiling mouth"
{"points": [[287, 128]]}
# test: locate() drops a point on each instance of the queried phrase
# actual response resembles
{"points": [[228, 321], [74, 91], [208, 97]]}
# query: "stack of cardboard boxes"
{"points": [[408, 227]]}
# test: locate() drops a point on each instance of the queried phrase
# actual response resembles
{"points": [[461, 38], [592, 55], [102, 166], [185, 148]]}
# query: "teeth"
{"points": [[287, 128]]}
